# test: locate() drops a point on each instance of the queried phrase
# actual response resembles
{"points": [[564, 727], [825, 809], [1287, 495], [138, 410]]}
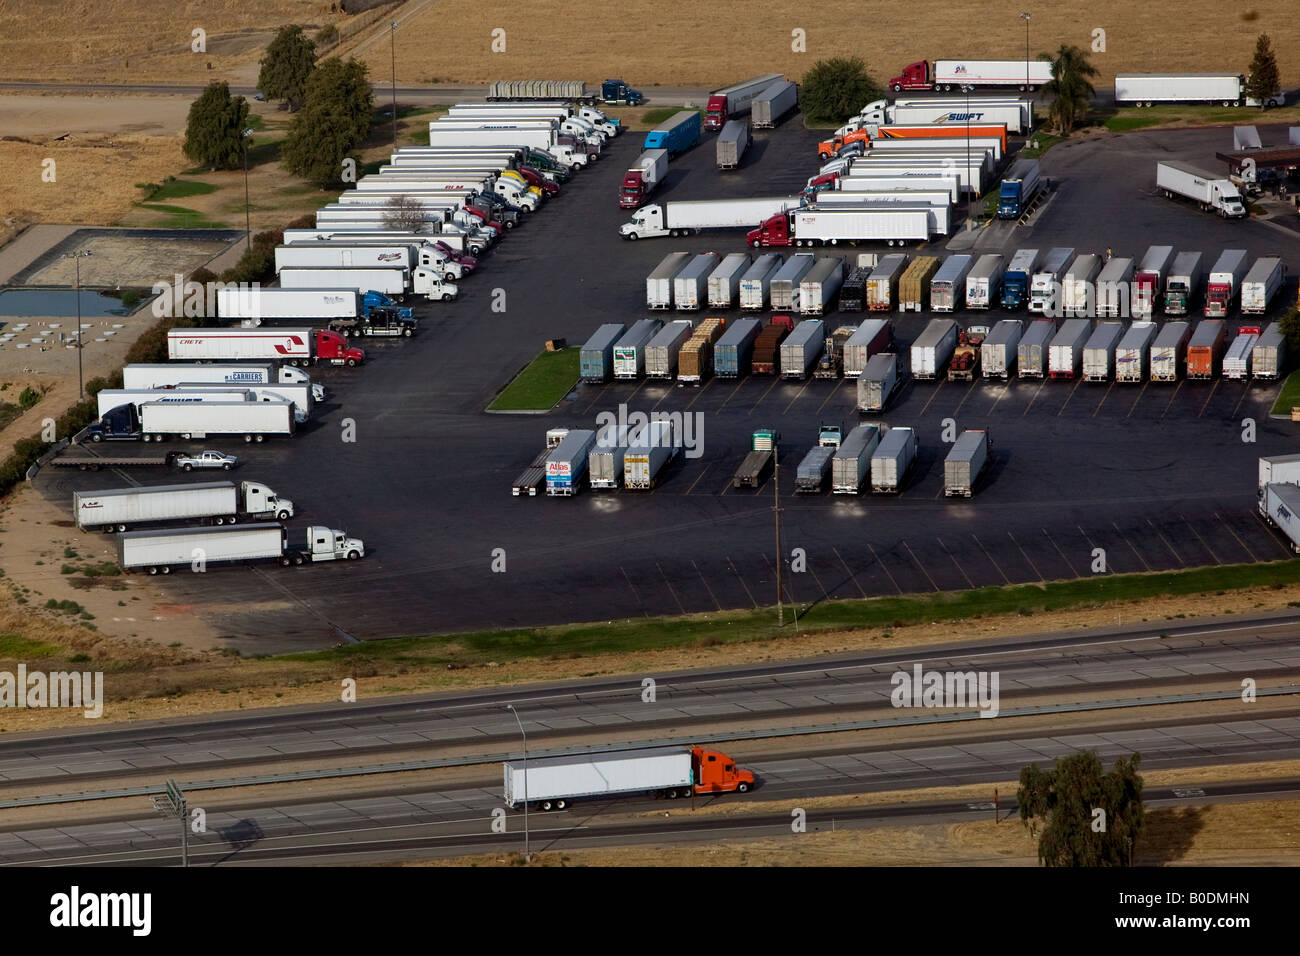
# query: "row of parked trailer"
{"points": [[880, 458], [631, 455]]}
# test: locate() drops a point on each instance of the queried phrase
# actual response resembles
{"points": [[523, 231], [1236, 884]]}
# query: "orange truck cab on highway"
{"points": [[715, 772]]}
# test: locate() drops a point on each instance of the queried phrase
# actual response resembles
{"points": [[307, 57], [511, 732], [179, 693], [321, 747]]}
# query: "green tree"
{"points": [[1066, 800], [287, 66], [836, 89], [1069, 87], [333, 123], [327, 35], [1289, 326], [214, 131], [405, 214], [1263, 80]]}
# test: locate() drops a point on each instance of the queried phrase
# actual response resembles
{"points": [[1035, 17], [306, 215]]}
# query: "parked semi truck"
{"points": [[1065, 351], [933, 349], [892, 460], [1183, 283], [691, 284], [818, 288], [735, 100], [724, 281], [1205, 349], [301, 303], [677, 134], [914, 287], [879, 380], [965, 360], [766, 356], [159, 552], [1205, 189], [732, 353], [1021, 184], [1113, 286], [1261, 284], [294, 346], [629, 350], [732, 143], [882, 285], [1149, 89], [948, 287], [1269, 355], [649, 450], [661, 351], [811, 225], [786, 282], [553, 783], [1169, 351], [659, 284], [567, 463], [802, 348], [1280, 505], [947, 75], [243, 374], [1224, 285], [871, 338], [1018, 277], [1045, 287], [998, 350], [930, 111], [758, 463], [773, 103], [851, 463], [1132, 355], [1099, 351], [1236, 360], [695, 360], [1149, 280], [218, 502], [756, 282], [596, 358], [642, 178], [966, 461], [1032, 350], [984, 281], [1078, 289], [689, 217]]}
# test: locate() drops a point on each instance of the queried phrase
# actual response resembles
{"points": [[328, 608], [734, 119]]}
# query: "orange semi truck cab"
{"points": [[715, 772], [830, 147]]}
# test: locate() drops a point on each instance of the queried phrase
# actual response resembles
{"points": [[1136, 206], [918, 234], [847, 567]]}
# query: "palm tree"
{"points": [[1069, 86]]}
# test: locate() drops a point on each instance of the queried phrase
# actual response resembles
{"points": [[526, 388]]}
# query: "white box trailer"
{"points": [[998, 350], [1065, 351], [894, 224], [1261, 284], [818, 288], [243, 374], [169, 548], [1149, 280], [851, 462], [801, 349], [1078, 289], [724, 281], [662, 351], [567, 462], [394, 282], [1114, 283], [1133, 352], [872, 337], [933, 349], [983, 282], [254, 421], [732, 143], [965, 463], [970, 175], [299, 393], [785, 284], [757, 279], [878, 382], [1045, 286], [987, 149], [1267, 358], [629, 350], [1236, 360], [905, 195], [1282, 509], [1032, 350], [110, 398], [321, 302], [1277, 469], [881, 288], [689, 217], [892, 460], [948, 285], [223, 502], [338, 255], [691, 285], [773, 103], [954, 74], [952, 112], [1099, 351], [653, 446], [876, 184], [553, 781], [1148, 89], [605, 460], [1208, 191], [659, 284]]}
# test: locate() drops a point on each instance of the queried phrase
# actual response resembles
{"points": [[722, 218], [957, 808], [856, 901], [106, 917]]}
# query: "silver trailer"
{"points": [[878, 382], [1183, 283], [732, 143], [662, 351], [998, 350], [983, 282], [882, 283], [892, 460], [605, 460], [773, 103], [1132, 355], [1277, 469], [784, 288], [1078, 291], [948, 286], [802, 348], [659, 284], [1169, 351], [1099, 351], [629, 350], [933, 348], [1282, 509], [1065, 351], [965, 463], [852, 460], [596, 359], [811, 474], [1114, 287], [1236, 360], [818, 288], [654, 445], [691, 285], [872, 337], [757, 280], [724, 281], [567, 462], [1031, 352], [1267, 359], [731, 353]]}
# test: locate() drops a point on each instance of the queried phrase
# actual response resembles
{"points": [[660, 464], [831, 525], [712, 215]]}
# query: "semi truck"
{"points": [[1225, 282], [294, 346], [802, 348], [831, 365], [629, 350], [732, 143], [1113, 285], [785, 285], [948, 287], [678, 133], [1169, 351], [619, 93], [161, 551], [316, 303], [110, 398], [773, 103], [158, 421], [1022, 182], [851, 463], [1133, 352], [1149, 89], [553, 783], [1277, 469], [690, 217], [755, 284], [1183, 283], [1281, 508], [984, 281], [1205, 189], [735, 100], [760, 460], [642, 178], [891, 224], [1044, 289], [732, 353], [892, 460], [1149, 280], [659, 284], [691, 285], [934, 111], [1032, 350], [872, 337], [1261, 284], [818, 288], [966, 355], [1269, 355], [596, 357], [1065, 351], [914, 286], [605, 460], [1236, 360], [867, 180], [966, 461], [1078, 289], [218, 502], [724, 281], [879, 380], [567, 462], [1099, 351], [947, 75], [243, 374], [661, 351], [933, 349], [998, 350], [1205, 349], [1018, 277], [329, 254], [883, 282], [654, 445]]}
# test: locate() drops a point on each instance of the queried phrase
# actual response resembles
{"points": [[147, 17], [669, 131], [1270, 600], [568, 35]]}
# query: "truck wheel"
{"points": [[898, 87], [248, 439], [121, 527], [284, 562], [96, 437], [227, 466], [282, 515], [671, 794], [756, 243], [166, 569], [153, 570], [510, 224], [352, 363], [406, 332], [353, 555], [742, 788], [447, 297], [449, 277], [187, 467], [561, 804], [298, 559], [259, 438], [546, 805]]}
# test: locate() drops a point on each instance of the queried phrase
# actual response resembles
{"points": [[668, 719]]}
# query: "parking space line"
{"points": [[735, 387], [1138, 401], [1034, 398], [953, 559], [1170, 404], [970, 389], [938, 384], [837, 387], [1167, 544], [762, 398], [853, 577], [635, 594], [1213, 389], [1003, 389], [741, 580], [1244, 392], [670, 588], [883, 568], [1060, 552], [600, 394], [705, 581], [698, 392], [919, 565], [1241, 541], [1103, 399], [697, 480], [1077, 382], [825, 593], [1092, 545], [798, 395], [1204, 543], [1135, 551], [1025, 555], [997, 566]]}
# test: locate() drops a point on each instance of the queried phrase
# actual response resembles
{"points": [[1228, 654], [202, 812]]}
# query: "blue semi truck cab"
{"points": [[121, 423], [1021, 183], [376, 305], [616, 91]]}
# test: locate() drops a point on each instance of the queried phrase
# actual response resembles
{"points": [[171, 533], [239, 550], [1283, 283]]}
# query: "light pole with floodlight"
{"points": [[528, 857], [76, 258]]}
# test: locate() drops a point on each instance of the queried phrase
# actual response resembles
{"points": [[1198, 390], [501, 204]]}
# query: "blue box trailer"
{"points": [[677, 134], [731, 353], [596, 360]]}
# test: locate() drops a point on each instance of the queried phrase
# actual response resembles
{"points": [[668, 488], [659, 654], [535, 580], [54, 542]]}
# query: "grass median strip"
{"points": [[546, 380], [1289, 395]]}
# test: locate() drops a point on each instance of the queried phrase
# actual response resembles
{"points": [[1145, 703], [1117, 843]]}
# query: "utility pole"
{"points": [[969, 179], [776, 513], [76, 258], [1028, 88], [392, 35], [248, 215], [528, 857]]}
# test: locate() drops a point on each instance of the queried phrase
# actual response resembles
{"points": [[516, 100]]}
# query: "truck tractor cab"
{"points": [[329, 544], [715, 772], [261, 500]]}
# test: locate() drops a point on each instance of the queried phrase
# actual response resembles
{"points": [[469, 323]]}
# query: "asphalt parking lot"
{"points": [[1157, 476]]}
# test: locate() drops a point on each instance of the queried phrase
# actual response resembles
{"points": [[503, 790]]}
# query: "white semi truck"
{"points": [[217, 502]]}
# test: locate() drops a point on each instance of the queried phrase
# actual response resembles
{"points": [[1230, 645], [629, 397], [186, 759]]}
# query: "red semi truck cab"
{"points": [[534, 178], [818, 183], [715, 772], [334, 348], [775, 231], [915, 76], [715, 111], [633, 191]]}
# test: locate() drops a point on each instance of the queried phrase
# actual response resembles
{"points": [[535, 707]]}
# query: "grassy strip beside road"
{"points": [[546, 380], [652, 118], [1289, 395], [1124, 119], [633, 635]]}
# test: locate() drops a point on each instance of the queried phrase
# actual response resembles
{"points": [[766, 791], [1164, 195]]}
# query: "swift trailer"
{"points": [[933, 349], [659, 284], [1208, 191], [661, 351], [732, 143], [293, 346], [553, 783], [1065, 351], [1281, 508], [998, 350], [802, 348], [1021, 184], [1169, 351], [159, 552], [1113, 285], [948, 75], [1149, 280], [1150, 89], [732, 353], [1269, 354], [724, 281], [1277, 469], [891, 224], [950, 111], [786, 283], [773, 103], [1017, 280], [691, 285], [948, 287], [878, 382], [677, 134], [642, 178], [969, 457], [755, 284], [596, 358], [1261, 284], [1225, 280], [818, 288], [871, 338], [1044, 288], [1079, 290], [1099, 351], [1032, 350], [629, 350], [984, 282], [1132, 355], [689, 217], [736, 100], [217, 502], [892, 460], [1183, 283]]}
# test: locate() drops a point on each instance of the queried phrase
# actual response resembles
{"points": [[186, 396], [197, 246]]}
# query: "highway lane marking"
{"points": [[1135, 551], [739, 578], [919, 565], [1204, 543], [997, 566], [883, 568], [1166, 542], [953, 559], [1213, 389], [670, 587], [706, 584], [852, 577], [1025, 555]]}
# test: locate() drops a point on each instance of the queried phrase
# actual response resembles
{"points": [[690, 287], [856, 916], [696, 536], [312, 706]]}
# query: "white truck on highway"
{"points": [[218, 502], [159, 552], [686, 218]]}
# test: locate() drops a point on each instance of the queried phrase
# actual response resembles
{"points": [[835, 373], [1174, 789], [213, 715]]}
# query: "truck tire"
{"points": [[742, 788], [898, 87], [630, 236], [352, 363], [227, 466], [96, 437], [298, 559], [284, 561], [187, 467], [546, 806], [406, 332], [259, 438], [153, 570], [561, 804], [353, 555], [166, 569], [248, 439], [282, 515]]}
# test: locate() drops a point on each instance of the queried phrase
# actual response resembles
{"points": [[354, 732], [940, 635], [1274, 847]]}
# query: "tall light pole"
{"points": [[969, 179], [76, 258], [392, 35], [776, 514], [528, 857], [1028, 88], [244, 137]]}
